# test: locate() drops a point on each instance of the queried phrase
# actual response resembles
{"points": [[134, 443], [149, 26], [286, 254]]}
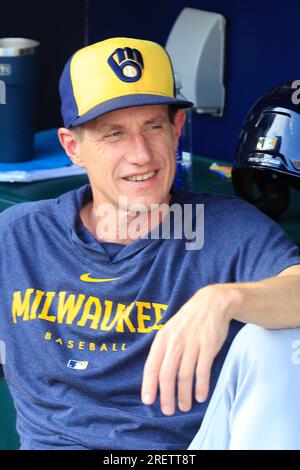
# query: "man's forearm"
{"points": [[271, 303]]}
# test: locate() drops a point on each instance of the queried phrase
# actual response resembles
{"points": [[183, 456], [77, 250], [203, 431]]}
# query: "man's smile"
{"points": [[143, 179]]}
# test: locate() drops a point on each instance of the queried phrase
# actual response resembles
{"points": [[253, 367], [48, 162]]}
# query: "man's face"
{"points": [[131, 152]]}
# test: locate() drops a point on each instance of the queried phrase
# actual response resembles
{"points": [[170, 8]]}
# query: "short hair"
{"points": [[78, 130]]}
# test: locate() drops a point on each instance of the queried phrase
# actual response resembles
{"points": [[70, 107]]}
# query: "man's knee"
{"points": [[275, 348]]}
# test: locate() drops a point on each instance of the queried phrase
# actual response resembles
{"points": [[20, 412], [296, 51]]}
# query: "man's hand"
{"points": [[188, 344]]}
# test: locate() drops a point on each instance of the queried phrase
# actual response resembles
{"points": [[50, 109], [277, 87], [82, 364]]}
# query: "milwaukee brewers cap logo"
{"points": [[127, 64]]}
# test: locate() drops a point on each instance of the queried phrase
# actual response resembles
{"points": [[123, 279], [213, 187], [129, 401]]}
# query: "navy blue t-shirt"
{"points": [[76, 346]]}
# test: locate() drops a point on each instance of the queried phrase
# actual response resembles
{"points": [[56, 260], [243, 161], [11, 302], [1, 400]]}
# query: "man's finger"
{"points": [[203, 372], [151, 371], [185, 378], [167, 378]]}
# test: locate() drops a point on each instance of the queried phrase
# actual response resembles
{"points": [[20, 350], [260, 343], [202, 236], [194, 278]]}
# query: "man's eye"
{"points": [[155, 127], [113, 135]]}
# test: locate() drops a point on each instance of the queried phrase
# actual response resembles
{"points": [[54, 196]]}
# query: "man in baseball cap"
{"points": [[102, 307]]}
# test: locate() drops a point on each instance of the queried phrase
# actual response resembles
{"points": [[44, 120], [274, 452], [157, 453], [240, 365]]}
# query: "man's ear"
{"points": [[69, 141], [179, 121]]}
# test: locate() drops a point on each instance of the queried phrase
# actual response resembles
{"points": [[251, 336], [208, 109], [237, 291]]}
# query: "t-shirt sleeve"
{"points": [[265, 249]]}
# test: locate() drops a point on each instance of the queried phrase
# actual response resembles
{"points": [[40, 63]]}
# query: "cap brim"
{"points": [[128, 101]]}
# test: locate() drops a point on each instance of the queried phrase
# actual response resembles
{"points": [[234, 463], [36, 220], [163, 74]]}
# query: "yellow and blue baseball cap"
{"points": [[114, 74]]}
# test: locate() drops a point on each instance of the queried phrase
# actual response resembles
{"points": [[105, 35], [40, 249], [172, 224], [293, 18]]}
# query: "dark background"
{"points": [[60, 28], [261, 49]]}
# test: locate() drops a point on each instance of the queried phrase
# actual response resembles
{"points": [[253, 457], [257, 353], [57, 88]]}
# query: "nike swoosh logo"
{"points": [[86, 278]]}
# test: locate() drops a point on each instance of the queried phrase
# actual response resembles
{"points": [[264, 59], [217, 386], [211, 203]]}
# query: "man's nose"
{"points": [[140, 151]]}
